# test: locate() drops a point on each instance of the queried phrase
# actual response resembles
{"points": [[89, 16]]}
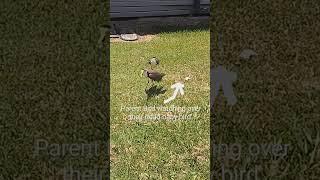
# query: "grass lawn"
{"points": [[49, 91], [163, 149], [278, 91]]}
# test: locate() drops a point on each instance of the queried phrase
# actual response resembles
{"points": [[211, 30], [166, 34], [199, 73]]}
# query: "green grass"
{"points": [[162, 149], [48, 90], [49, 87], [278, 92]]}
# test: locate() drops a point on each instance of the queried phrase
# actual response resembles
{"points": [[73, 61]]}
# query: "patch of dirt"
{"points": [[144, 38]]}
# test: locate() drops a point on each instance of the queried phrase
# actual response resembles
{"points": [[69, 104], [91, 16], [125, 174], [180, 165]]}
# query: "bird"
{"points": [[152, 75], [153, 62]]}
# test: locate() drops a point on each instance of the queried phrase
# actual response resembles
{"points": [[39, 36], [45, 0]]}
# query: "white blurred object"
{"points": [[129, 37], [187, 78], [247, 54], [178, 89]]}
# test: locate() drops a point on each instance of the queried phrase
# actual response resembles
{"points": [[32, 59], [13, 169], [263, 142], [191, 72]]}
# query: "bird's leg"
{"points": [[147, 84]]}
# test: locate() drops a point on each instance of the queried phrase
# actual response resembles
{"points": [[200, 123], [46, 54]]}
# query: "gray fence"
{"points": [[151, 8]]}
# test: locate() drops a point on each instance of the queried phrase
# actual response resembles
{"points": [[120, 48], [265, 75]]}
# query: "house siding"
{"points": [[150, 8]]}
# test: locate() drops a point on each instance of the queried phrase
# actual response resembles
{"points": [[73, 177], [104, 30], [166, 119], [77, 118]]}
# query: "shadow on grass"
{"points": [[154, 91]]}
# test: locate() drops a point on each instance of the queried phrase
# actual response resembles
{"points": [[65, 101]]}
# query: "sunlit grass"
{"points": [[161, 149]]}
